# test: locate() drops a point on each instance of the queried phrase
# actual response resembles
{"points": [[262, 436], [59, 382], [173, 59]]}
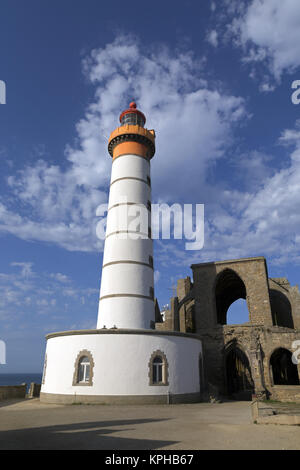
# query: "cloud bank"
{"points": [[267, 33], [194, 126]]}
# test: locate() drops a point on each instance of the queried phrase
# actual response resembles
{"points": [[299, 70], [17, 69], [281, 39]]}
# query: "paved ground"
{"points": [[30, 424]]}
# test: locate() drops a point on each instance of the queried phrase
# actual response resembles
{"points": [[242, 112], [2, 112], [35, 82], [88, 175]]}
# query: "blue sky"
{"points": [[214, 80]]}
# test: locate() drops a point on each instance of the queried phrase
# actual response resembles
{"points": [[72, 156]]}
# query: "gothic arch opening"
{"points": [[239, 381], [283, 370], [229, 288], [190, 319], [281, 309], [237, 312], [186, 309]]}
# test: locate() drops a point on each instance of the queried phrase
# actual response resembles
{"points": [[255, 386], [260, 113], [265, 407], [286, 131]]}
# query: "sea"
{"points": [[18, 379]]}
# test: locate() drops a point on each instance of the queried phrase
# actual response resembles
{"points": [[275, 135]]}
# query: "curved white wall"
{"points": [[135, 311], [126, 278], [121, 364], [129, 166], [133, 190], [122, 250]]}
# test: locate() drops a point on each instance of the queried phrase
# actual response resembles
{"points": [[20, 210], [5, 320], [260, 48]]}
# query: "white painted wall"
{"points": [[121, 364], [131, 217], [130, 165], [119, 249], [133, 190], [126, 278], [134, 311]]}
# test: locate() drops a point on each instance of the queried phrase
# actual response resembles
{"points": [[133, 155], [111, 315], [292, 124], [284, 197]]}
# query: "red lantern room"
{"points": [[132, 116]]}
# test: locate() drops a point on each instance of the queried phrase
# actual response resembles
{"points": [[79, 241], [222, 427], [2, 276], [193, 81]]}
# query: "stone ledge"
{"points": [[121, 331], [265, 414], [229, 261], [63, 399]]}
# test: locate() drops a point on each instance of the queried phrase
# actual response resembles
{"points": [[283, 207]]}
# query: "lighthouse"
{"points": [[125, 359], [127, 281]]}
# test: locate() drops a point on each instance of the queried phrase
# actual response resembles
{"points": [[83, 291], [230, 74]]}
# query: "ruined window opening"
{"points": [[190, 322], [283, 370], [281, 309], [237, 312], [229, 288]]}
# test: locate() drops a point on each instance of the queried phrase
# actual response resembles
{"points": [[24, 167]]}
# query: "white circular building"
{"points": [[125, 360]]}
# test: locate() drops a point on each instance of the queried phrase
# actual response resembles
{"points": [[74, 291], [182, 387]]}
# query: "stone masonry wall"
{"points": [[258, 338], [12, 391]]}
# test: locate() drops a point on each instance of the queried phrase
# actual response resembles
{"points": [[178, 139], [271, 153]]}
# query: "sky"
{"points": [[214, 79]]}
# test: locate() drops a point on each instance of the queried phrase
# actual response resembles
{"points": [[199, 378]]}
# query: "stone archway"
{"points": [[239, 382], [229, 287], [282, 369]]}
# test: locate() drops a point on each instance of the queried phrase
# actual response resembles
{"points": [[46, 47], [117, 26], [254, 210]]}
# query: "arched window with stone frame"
{"points": [[83, 369], [158, 369]]}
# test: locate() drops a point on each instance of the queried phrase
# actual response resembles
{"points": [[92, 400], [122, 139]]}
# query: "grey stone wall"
{"points": [[8, 392]]}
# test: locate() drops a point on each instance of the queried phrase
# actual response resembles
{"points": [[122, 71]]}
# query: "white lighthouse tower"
{"points": [[127, 285], [125, 359]]}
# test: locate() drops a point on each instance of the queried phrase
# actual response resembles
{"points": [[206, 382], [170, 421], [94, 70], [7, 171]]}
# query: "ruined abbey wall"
{"points": [[248, 358]]}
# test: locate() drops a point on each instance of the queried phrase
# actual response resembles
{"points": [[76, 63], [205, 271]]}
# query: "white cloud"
{"points": [[268, 32], [25, 299], [262, 222], [252, 168], [26, 268], [212, 38], [60, 277], [194, 126]]}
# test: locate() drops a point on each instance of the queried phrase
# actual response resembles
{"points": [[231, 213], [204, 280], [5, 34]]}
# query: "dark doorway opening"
{"points": [[238, 375]]}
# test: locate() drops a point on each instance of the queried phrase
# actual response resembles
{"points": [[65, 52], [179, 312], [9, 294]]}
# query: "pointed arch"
{"points": [[282, 369], [281, 309], [229, 287]]}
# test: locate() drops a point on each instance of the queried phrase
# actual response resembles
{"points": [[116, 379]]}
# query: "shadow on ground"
{"points": [[13, 401], [87, 435]]}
